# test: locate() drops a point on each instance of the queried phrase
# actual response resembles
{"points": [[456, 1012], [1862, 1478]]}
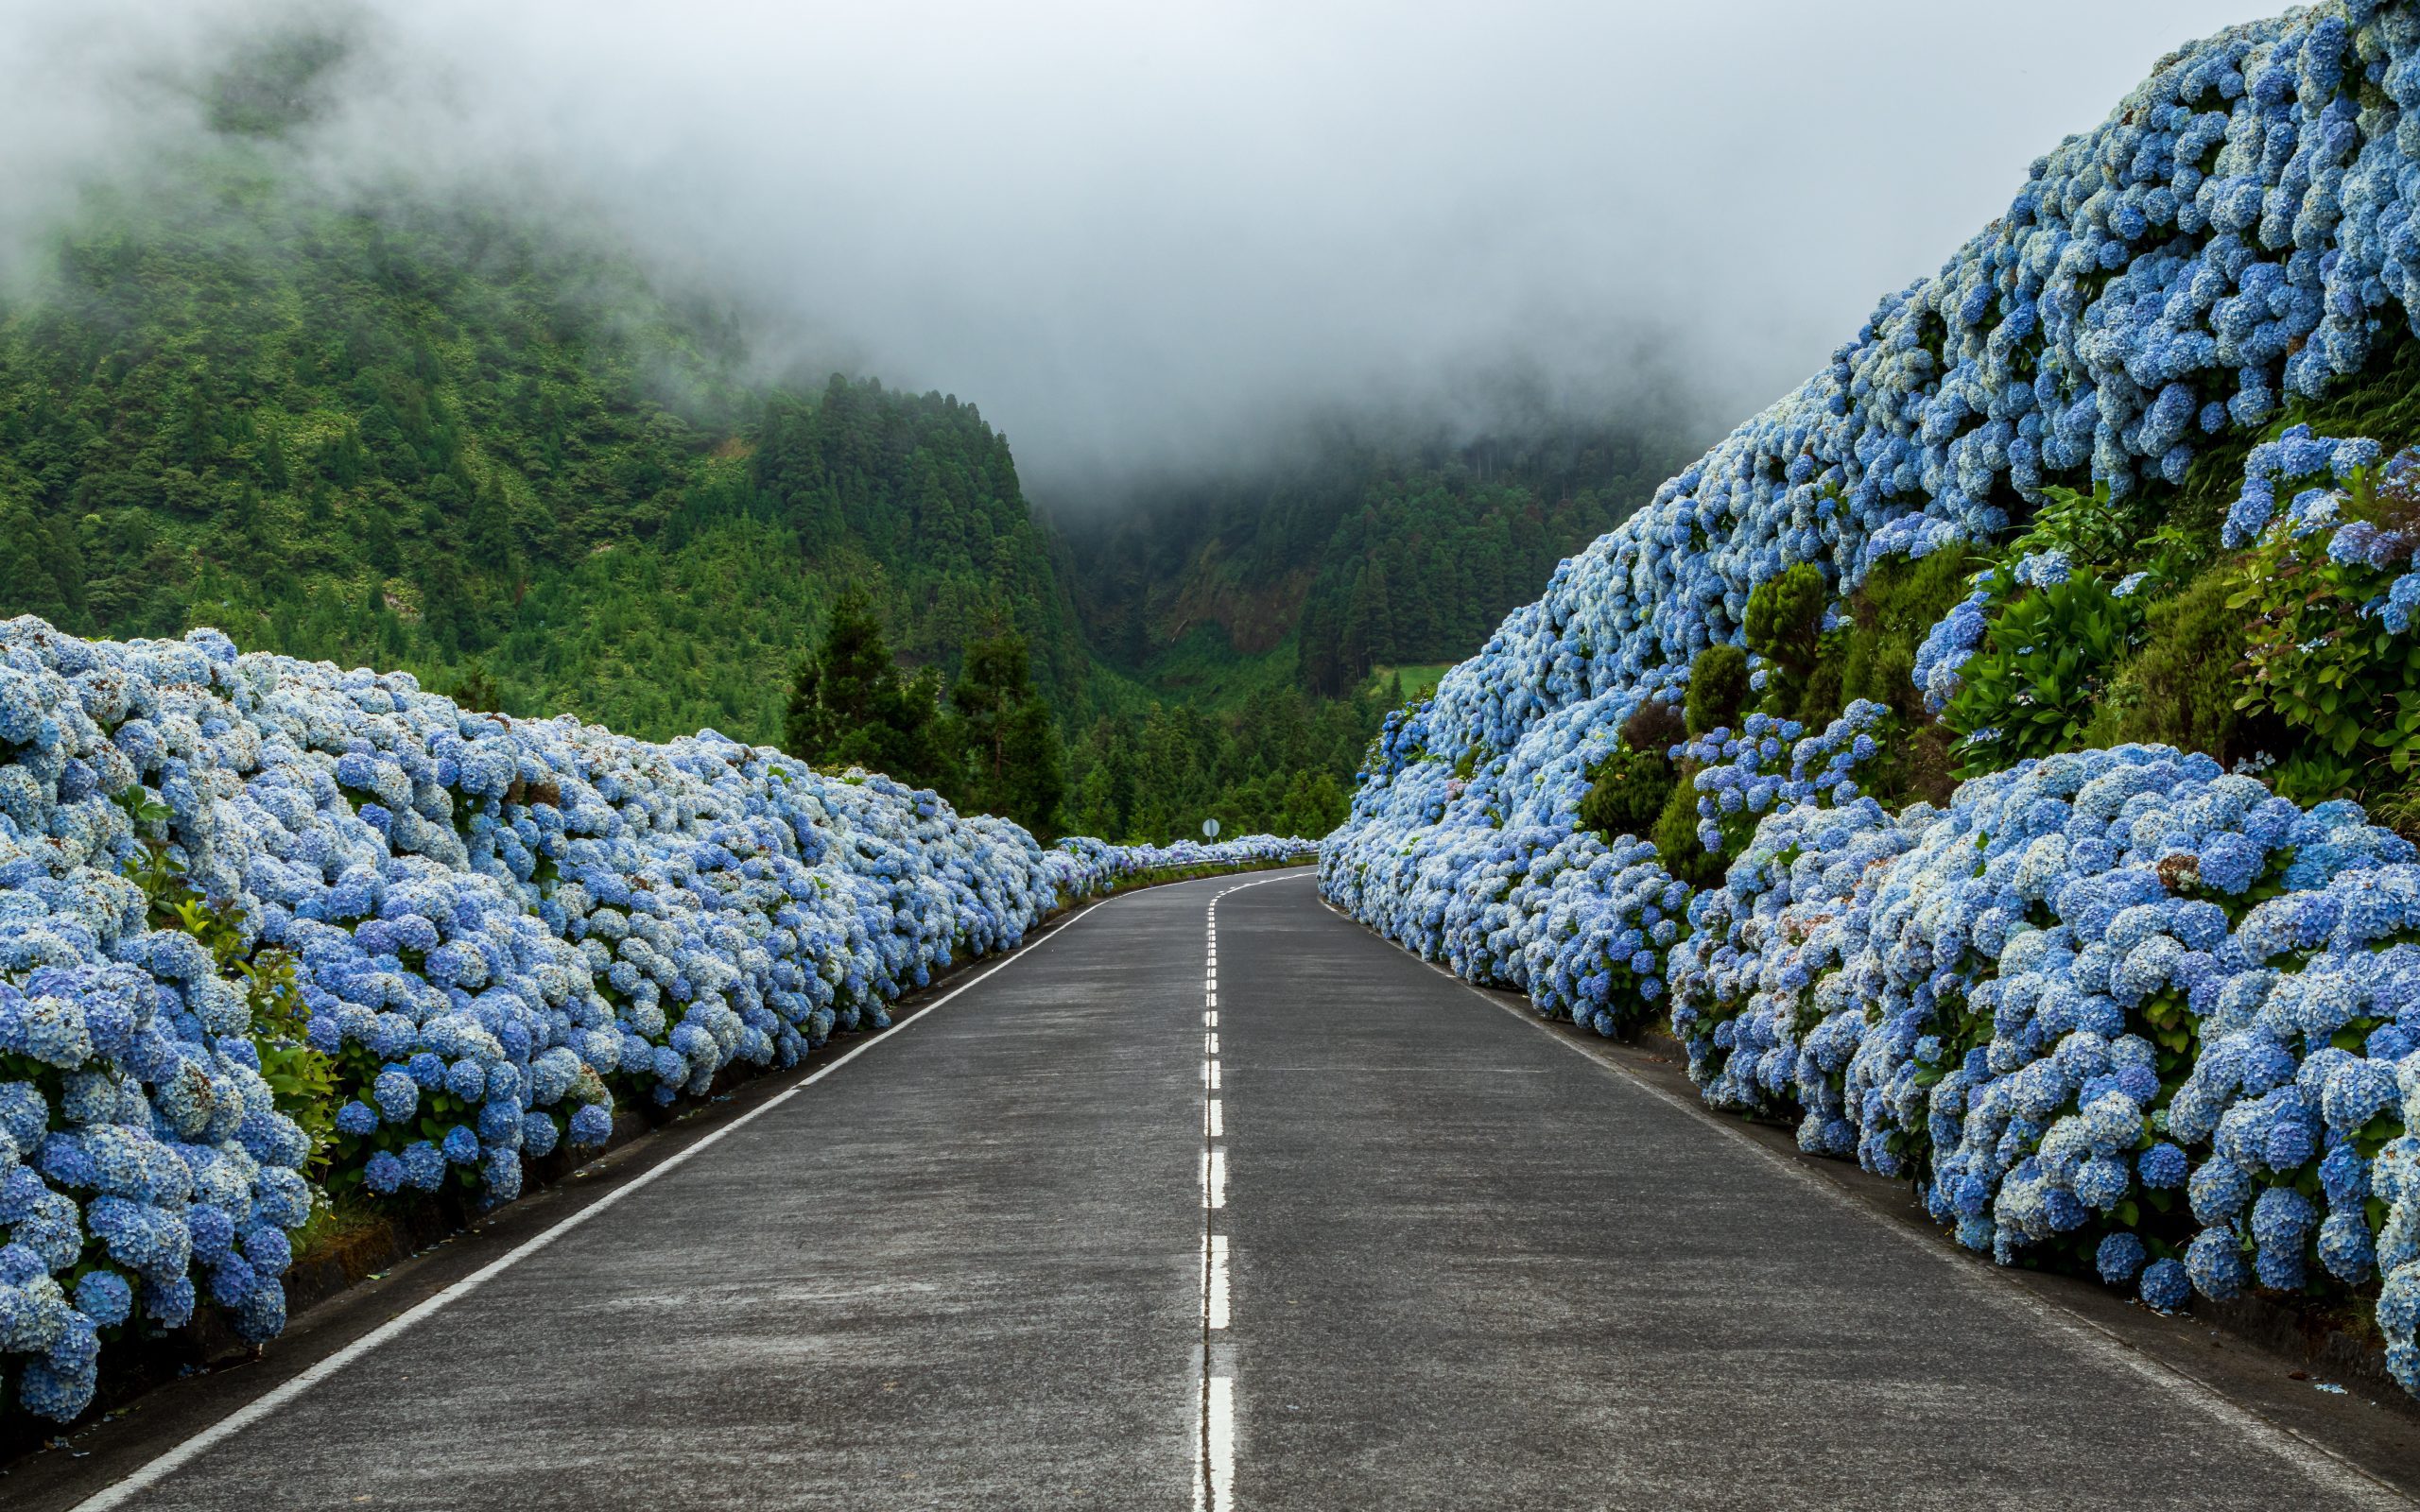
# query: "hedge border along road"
{"points": [[2279, 1371], [529, 1226], [270, 930], [2121, 1010], [326, 1274], [1403, 1204]]}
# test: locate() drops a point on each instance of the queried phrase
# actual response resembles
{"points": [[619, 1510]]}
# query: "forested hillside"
{"points": [[1363, 553], [423, 437], [445, 437]]}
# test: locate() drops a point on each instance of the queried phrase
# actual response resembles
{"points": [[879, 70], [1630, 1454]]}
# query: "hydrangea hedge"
{"points": [[270, 930], [2121, 1004]]}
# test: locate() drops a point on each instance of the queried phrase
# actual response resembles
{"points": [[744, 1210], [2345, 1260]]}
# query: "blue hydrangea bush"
{"points": [[497, 930], [2118, 1007]]}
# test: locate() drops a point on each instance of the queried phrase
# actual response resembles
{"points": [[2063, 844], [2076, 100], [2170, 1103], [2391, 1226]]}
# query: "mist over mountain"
{"points": [[1247, 364], [1365, 544], [1148, 242]]}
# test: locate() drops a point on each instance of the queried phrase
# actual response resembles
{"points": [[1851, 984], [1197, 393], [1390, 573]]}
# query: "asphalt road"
{"points": [[1421, 1256]]}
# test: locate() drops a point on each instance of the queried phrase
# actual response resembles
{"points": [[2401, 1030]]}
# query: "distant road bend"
{"points": [[1209, 1199]]}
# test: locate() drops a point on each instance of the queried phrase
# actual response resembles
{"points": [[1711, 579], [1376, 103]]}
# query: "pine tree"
{"points": [[445, 606], [849, 707], [477, 692], [1015, 765], [491, 527], [39, 571]]}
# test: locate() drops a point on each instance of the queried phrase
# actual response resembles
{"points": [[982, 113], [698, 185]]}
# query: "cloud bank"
{"points": [[1145, 239]]}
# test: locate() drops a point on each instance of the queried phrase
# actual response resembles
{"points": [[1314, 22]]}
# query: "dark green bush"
{"points": [[1676, 835], [1889, 615], [1784, 624], [1822, 700], [1626, 793], [1628, 789], [1717, 688], [2181, 687], [1654, 726]]}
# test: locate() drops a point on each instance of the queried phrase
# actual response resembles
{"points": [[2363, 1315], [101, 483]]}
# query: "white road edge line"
{"points": [[2315, 1460], [278, 1396]]}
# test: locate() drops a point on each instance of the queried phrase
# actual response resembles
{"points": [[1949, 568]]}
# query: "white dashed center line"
{"points": [[1216, 1309], [1213, 1488]]}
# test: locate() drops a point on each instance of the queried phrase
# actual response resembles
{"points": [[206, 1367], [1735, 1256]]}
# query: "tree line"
{"points": [[1362, 553], [986, 741]]}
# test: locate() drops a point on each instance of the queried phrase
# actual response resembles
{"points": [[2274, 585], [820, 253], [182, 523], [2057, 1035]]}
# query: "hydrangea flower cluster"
{"points": [[2091, 982], [497, 926], [2052, 999], [1583, 926], [2276, 467], [1488, 876], [1948, 648], [1741, 777], [1758, 970], [1596, 954]]}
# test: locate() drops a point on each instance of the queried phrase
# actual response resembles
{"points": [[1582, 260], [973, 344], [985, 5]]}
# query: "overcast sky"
{"points": [[1138, 234]]}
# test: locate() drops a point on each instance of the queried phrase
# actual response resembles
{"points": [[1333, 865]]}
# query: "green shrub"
{"points": [[2338, 677], [1889, 615], [1823, 697], [2314, 775], [2039, 677], [1676, 835], [1626, 793], [2089, 527], [301, 1081], [1628, 789], [1784, 624], [1717, 688], [2181, 687], [1872, 656]]}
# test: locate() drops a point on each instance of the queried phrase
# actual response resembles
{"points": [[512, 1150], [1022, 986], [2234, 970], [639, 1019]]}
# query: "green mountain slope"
{"points": [[437, 435], [1358, 555], [423, 438]]}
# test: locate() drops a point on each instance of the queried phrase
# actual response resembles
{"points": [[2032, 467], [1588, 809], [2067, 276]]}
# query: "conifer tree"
{"points": [[849, 706], [1014, 765]]}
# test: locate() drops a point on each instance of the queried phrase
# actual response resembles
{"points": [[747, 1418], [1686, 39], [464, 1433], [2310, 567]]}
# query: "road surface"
{"points": [[1207, 1199]]}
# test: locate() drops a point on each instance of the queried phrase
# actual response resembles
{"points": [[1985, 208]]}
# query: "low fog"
{"points": [[1145, 238]]}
